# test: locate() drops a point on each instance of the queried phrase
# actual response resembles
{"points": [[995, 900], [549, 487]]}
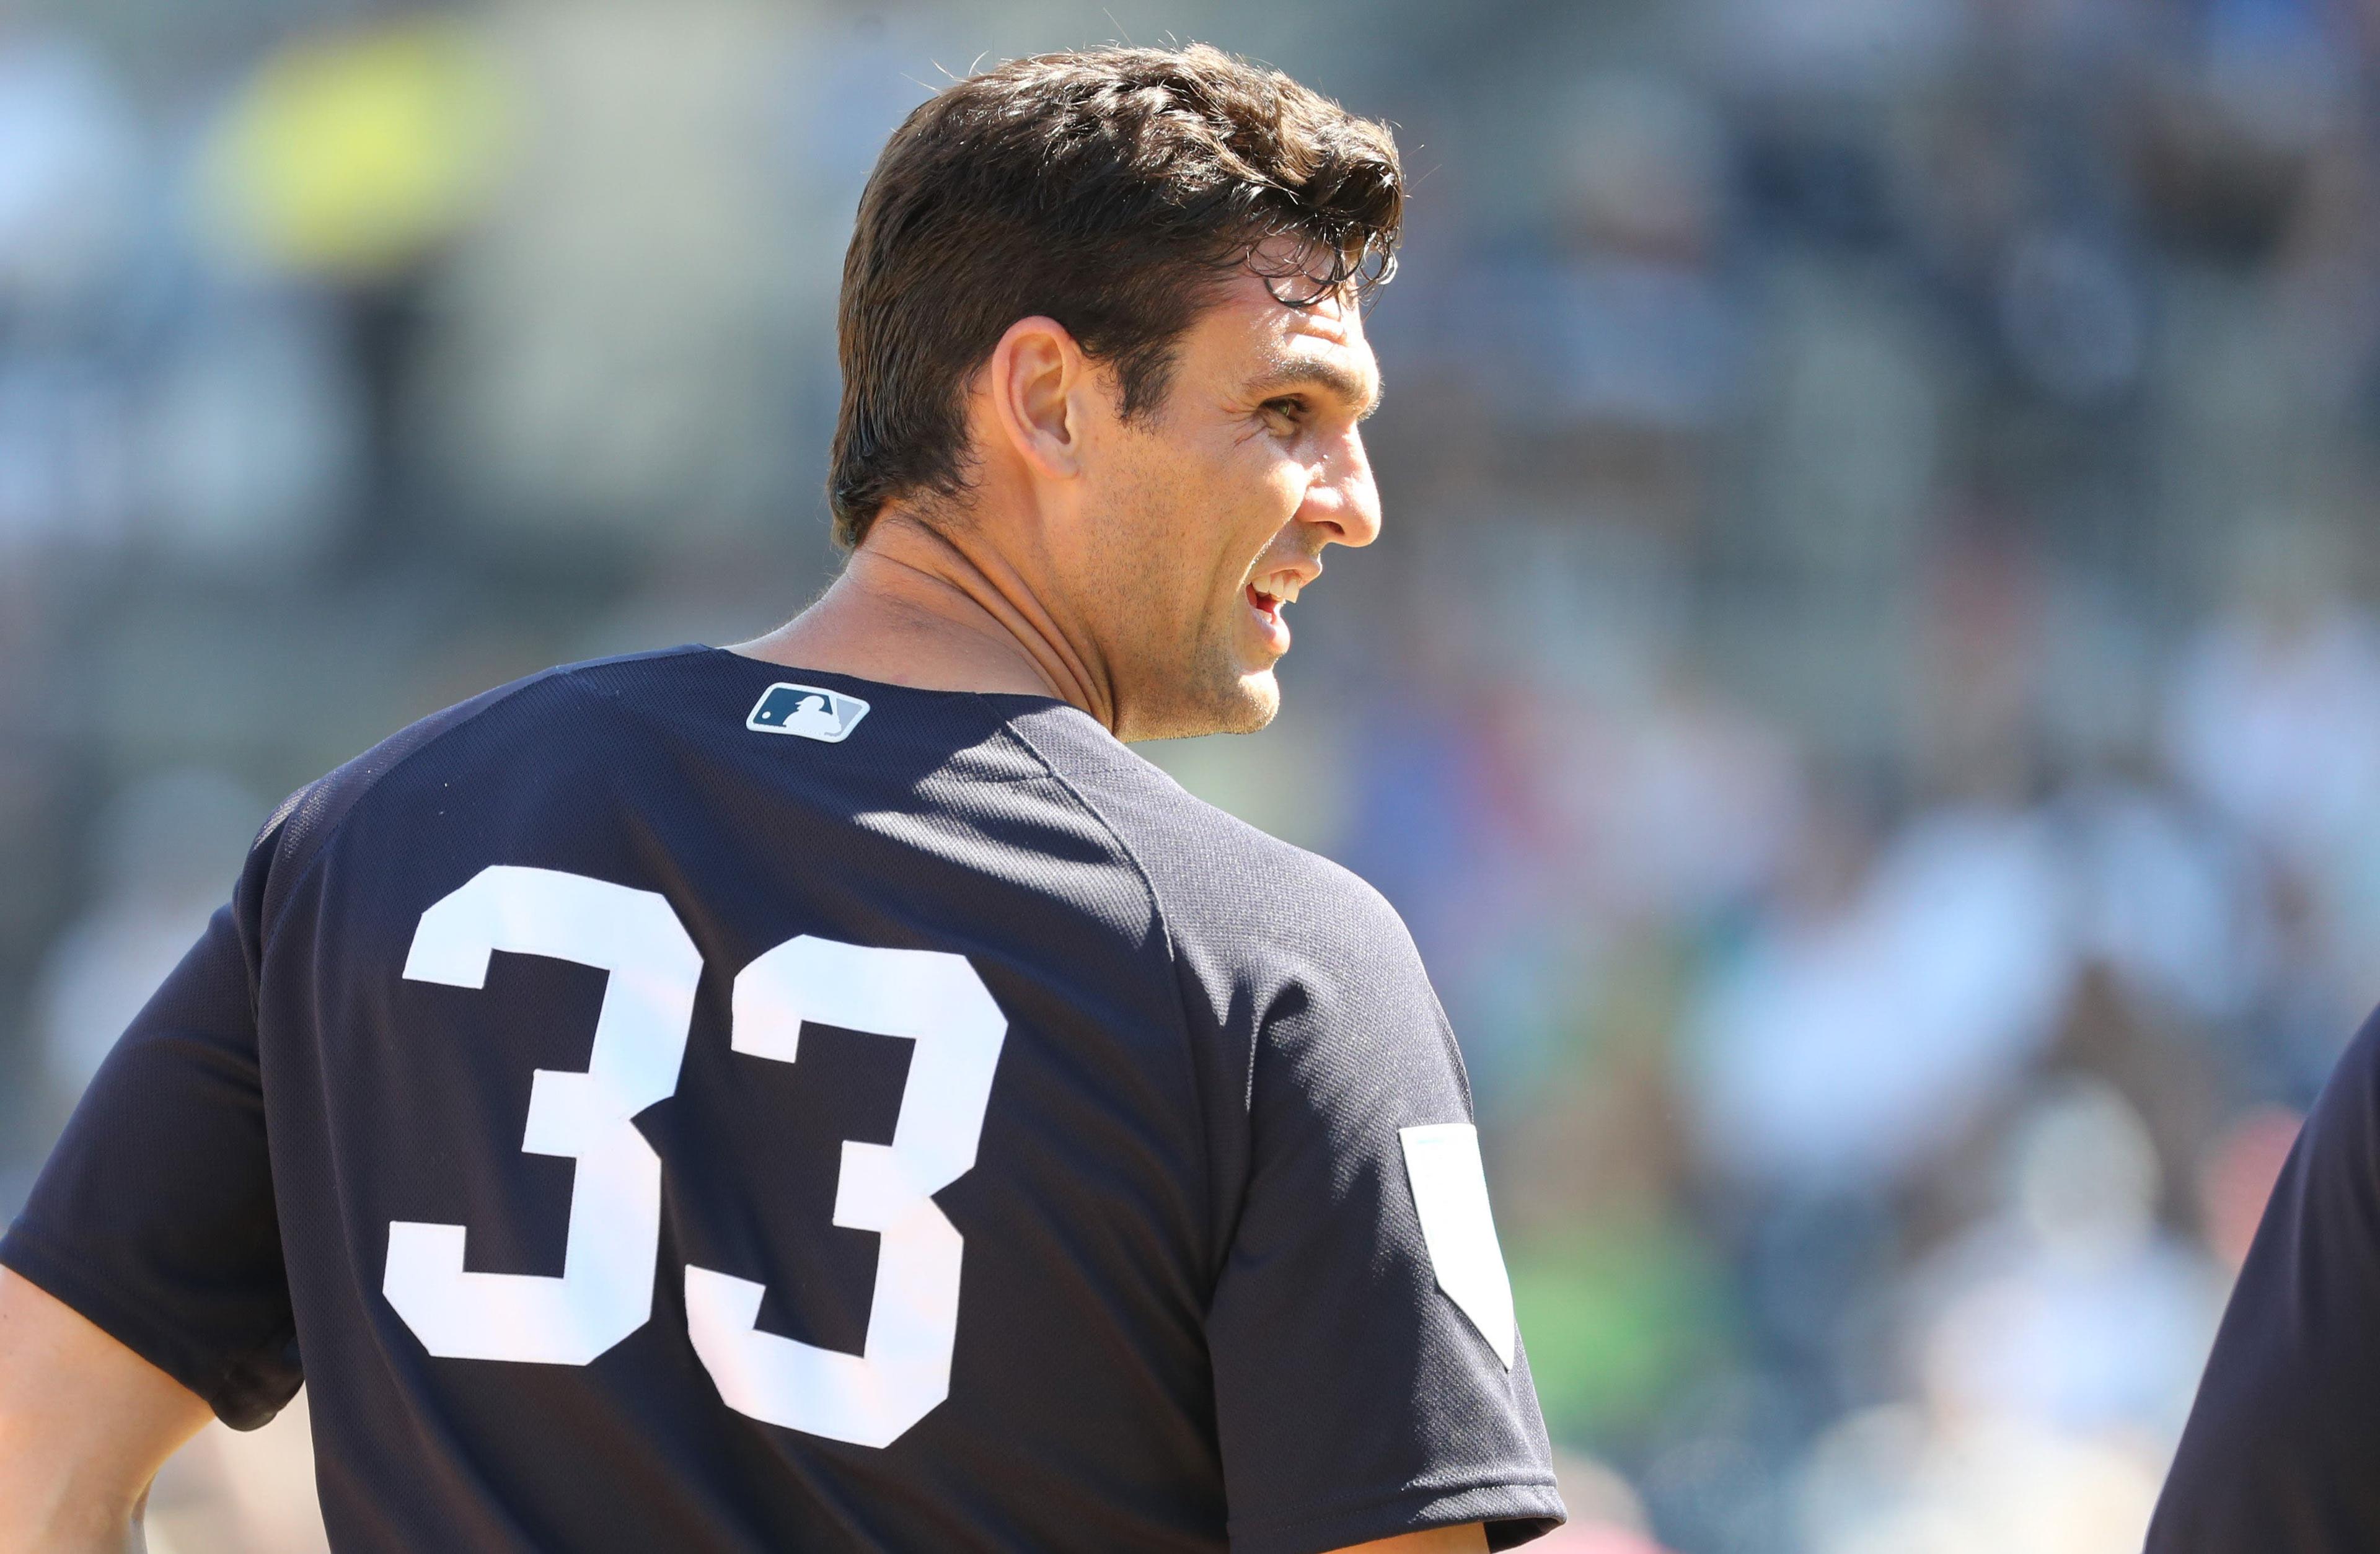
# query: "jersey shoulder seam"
{"points": [[1140, 870], [1155, 908]]}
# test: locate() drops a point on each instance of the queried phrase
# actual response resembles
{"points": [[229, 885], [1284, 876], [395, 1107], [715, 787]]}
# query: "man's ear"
{"points": [[1036, 382]]}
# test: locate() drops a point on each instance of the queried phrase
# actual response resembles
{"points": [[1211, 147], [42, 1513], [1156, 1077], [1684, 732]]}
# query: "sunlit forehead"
{"points": [[1248, 348], [1345, 375], [1319, 348], [1341, 368]]}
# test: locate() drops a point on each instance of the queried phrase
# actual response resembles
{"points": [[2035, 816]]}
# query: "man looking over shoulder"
{"points": [[829, 1093]]}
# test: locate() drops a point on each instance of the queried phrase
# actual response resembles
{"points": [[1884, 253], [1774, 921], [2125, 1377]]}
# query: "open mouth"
{"points": [[1267, 596], [1269, 591]]}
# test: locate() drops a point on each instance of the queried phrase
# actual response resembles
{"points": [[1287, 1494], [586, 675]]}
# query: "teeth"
{"points": [[1283, 587]]}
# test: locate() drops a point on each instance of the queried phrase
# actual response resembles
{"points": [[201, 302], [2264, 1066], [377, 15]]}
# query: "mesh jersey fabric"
{"points": [[1193, 1306]]}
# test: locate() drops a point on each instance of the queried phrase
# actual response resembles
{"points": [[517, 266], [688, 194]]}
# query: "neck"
{"points": [[915, 607]]}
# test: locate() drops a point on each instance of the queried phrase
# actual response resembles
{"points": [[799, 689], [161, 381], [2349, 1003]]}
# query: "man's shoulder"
{"points": [[298, 828], [1210, 871]]}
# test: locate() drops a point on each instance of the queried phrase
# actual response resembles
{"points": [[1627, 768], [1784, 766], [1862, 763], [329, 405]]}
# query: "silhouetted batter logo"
{"points": [[806, 710]]}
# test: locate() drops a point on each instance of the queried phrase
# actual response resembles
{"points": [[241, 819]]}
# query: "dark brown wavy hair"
{"points": [[1110, 189]]}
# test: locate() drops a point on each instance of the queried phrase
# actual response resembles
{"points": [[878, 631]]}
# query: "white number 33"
{"points": [[605, 1289]]}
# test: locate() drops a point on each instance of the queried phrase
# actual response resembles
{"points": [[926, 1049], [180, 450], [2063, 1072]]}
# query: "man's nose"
{"points": [[1342, 499]]}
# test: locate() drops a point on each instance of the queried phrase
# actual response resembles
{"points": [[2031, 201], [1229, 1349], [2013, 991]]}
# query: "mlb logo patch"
{"points": [[807, 710]]}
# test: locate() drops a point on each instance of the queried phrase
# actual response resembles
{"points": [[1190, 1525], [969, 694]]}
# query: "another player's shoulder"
{"points": [[2341, 1137]]}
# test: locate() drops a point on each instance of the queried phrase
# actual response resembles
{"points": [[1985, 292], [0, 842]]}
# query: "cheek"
{"points": [[1263, 491], [1222, 511], [1186, 530]]}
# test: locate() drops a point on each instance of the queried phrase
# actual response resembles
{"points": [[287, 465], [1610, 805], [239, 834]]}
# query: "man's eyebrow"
{"points": [[1349, 387]]}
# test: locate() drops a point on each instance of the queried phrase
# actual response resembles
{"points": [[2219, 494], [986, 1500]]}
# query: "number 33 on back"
{"points": [[605, 1291]]}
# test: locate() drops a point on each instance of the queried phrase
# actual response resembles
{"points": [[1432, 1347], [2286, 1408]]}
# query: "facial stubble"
{"points": [[1174, 680]]}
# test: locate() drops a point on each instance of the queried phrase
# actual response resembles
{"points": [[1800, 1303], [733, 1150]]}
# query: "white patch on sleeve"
{"points": [[1450, 1189]]}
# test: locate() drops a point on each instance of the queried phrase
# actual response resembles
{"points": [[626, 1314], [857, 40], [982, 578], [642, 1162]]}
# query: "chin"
{"points": [[1256, 703], [1240, 704]]}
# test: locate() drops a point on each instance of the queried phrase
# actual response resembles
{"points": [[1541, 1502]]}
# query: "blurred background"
{"points": [[1869, 700]]}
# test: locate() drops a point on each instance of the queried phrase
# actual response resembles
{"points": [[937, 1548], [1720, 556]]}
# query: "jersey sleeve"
{"points": [[1368, 1381], [153, 1217], [2281, 1441]]}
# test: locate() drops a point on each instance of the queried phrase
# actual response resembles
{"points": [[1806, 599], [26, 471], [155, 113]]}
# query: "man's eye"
{"points": [[1285, 413]]}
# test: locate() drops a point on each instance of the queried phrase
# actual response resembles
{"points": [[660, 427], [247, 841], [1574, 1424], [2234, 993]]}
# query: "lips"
{"points": [[1266, 607], [1268, 592]]}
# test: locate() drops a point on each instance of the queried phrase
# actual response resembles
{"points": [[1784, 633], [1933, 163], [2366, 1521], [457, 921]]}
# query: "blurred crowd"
{"points": [[1869, 700]]}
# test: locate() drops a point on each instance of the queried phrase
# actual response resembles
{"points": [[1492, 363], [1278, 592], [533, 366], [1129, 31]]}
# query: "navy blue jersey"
{"points": [[2282, 1443], [682, 1103]]}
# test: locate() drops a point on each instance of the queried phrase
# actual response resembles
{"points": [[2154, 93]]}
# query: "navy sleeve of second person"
{"points": [[153, 1217], [2282, 1444]]}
